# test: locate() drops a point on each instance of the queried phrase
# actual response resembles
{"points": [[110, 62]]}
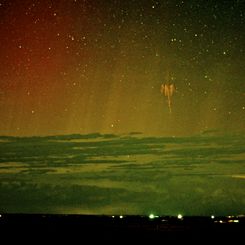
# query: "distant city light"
{"points": [[212, 217], [180, 216], [233, 221], [120, 216], [151, 216]]}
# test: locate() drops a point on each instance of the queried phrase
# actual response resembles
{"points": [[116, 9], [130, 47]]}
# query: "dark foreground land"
{"points": [[119, 229]]}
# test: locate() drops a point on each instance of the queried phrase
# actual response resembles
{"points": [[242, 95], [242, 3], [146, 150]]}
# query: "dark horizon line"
{"points": [[212, 132]]}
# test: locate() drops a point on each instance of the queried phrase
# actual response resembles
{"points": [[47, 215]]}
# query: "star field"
{"points": [[83, 66]]}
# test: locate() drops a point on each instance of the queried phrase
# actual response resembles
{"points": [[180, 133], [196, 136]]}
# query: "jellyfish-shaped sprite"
{"points": [[168, 91]]}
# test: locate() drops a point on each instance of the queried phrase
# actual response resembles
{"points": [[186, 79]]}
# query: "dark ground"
{"points": [[83, 229]]}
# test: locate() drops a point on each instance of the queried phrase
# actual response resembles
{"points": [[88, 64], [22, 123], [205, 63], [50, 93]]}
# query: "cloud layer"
{"points": [[123, 174]]}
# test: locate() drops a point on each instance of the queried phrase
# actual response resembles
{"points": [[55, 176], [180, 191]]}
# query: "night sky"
{"points": [[83, 66]]}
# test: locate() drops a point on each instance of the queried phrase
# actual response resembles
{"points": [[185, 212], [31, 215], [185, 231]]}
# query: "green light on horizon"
{"points": [[151, 216]]}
